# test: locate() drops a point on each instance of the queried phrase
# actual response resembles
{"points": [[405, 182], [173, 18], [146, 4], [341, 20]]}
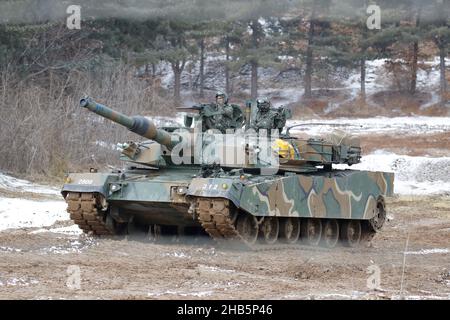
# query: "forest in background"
{"points": [[45, 67]]}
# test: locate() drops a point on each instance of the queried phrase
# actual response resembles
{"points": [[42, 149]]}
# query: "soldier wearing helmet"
{"points": [[268, 118], [221, 98], [221, 115]]}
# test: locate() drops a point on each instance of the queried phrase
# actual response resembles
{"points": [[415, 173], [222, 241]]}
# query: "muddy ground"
{"points": [[44, 265]]}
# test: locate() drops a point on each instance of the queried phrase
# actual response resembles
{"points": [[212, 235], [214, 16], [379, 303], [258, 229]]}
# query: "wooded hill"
{"points": [[45, 67]]}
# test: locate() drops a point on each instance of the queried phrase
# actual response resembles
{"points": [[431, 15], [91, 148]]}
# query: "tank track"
{"points": [[215, 215], [84, 211], [218, 221]]}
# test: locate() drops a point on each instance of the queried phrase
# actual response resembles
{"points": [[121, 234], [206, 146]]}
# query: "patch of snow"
{"points": [[417, 297], [214, 269], [216, 57], [21, 213], [413, 175], [105, 145], [364, 295], [313, 296], [177, 255], [22, 281], [209, 251], [374, 75], [430, 77], [428, 251], [60, 250], [73, 246], [19, 185], [168, 121], [180, 293], [70, 230], [9, 249], [380, 125]]}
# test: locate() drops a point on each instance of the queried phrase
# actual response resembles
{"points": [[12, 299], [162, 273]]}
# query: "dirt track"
{"points": [[35, 266]]}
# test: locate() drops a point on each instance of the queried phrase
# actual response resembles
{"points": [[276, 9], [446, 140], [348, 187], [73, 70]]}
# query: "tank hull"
{"points": [[179, 198]]}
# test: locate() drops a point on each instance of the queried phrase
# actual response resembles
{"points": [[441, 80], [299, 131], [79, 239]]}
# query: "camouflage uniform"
{"points": [[267, 118], [220, 115]]}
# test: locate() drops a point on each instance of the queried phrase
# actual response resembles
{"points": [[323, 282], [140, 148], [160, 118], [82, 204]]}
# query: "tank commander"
{"points": [[221, 115], [269, 118]]}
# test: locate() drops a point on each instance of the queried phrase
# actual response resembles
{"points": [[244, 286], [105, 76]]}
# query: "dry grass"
{"points": [[43, 131]]}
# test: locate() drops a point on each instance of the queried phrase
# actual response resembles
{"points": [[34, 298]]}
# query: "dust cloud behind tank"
{"points": [[303, 200]]}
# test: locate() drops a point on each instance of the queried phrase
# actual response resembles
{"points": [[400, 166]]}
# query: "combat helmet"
{"points": [[263, 104], [222, 94]]}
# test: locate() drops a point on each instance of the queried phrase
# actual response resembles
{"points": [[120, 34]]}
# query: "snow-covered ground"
{"points": [[29, 213], [379, 125], [24, 213], [413, 175], [18, 185], [418, 125]]}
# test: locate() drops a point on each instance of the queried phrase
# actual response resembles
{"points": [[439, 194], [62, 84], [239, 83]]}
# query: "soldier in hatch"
{"points": [[221, 115], [268, 118]]}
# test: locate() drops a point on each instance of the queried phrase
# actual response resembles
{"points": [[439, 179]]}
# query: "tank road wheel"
{"points": [[110, 223], [378, 220], [115, 227], [312, 231], [233, 215], [270, 228], [330, 233], [351, 233], [289, 230], [247, 227], [135, 231]]}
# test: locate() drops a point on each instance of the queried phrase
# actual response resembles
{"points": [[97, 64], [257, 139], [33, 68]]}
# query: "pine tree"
{"points": [[258, 47], [439, 33], [306, 30], [201, 32], [173, 46], [355, 39], [232, 36]]}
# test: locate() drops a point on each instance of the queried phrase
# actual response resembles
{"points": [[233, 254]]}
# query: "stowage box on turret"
{"points": [[253, 189]]}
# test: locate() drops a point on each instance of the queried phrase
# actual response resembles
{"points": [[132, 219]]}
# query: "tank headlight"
{"points": [[181, 190], [114, 187], [68, 180], [224, 186]]}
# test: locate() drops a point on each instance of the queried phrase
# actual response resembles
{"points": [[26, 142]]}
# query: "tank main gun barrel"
{"points": [[137, 124]]}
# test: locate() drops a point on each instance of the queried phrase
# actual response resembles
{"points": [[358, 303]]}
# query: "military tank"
{"points": [[291, 195]]}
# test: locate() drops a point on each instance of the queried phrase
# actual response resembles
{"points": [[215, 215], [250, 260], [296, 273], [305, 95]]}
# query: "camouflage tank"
{"points": [[290, 196]]}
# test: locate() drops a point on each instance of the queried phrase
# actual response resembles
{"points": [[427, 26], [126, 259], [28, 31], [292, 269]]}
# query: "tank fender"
{"points": [[88, 182], [225, 188]]}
